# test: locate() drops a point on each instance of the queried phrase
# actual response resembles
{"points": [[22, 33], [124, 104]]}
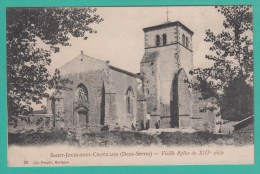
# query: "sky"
{"points": [[120, 37]]}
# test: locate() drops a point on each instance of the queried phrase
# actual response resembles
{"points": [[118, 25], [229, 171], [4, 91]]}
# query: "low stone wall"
{"points": [[34, 121]]}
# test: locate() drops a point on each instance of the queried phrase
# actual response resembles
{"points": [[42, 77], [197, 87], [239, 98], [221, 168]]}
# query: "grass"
{"points": [[38, 138], [244, 136], [129, 138], [194, 139]]}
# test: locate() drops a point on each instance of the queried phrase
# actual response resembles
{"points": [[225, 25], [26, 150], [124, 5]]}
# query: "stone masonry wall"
{"points": [[122, 82], [168, 67], [82, 64], [180, 101], [111, 117], [148, 71], [93, 80], [141, 112], [165, 122], [151, 35], [184, 95]]}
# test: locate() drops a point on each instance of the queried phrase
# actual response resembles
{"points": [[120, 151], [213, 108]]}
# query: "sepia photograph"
{"points": [[112, 86]]}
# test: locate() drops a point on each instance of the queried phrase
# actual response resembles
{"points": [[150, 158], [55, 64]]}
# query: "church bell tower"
{"points": [[168, 50]]}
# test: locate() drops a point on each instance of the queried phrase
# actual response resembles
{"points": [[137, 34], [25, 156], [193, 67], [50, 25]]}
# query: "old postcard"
{"points": [[117, 86]]}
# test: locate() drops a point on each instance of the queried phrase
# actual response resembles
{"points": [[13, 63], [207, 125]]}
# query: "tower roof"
{"points": [[168, 24]]}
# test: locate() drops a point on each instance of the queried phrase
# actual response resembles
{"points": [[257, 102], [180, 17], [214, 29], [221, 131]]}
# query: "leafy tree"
{"points": [[232, 56], [33, 34], [237, 102]]}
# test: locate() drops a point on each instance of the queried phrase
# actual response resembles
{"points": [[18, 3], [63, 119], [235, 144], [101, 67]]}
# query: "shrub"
{"points": [[196, 138], [37, 138]]}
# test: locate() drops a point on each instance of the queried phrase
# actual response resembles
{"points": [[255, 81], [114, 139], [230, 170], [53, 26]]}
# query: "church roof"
{"points": [[150, 56], [122, 71], [168, 24]]}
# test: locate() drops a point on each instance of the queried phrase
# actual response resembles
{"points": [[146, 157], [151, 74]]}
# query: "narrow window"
{"points": [[187, 42], [183, 40], [128, 104], [129, 100], [164, 39], [157, 40]]}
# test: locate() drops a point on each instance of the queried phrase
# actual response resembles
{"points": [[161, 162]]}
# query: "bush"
{"points": [[37, 138], [196, 138], [238, 100]]}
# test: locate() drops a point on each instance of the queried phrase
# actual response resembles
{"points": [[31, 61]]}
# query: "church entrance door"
{"points": [[83, 117]]}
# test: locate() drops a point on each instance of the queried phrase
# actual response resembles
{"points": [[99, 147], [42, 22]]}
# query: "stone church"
{"points": [[102, 94]]}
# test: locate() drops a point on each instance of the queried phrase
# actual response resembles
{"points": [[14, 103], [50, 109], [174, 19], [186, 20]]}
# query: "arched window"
{"points": [[183, 40], [129, 100], [164, 39], [82, 93], [129, 104], [157, 40], [187, 42]]}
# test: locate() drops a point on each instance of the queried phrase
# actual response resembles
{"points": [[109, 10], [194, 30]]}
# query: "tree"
{"points": [[58, 84], [27, 29], [232, 55], [237, 102]]}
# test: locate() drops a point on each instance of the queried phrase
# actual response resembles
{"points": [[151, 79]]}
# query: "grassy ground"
{"points": [[244, 136], [37, 138], [194, 139], [130, 138]]}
